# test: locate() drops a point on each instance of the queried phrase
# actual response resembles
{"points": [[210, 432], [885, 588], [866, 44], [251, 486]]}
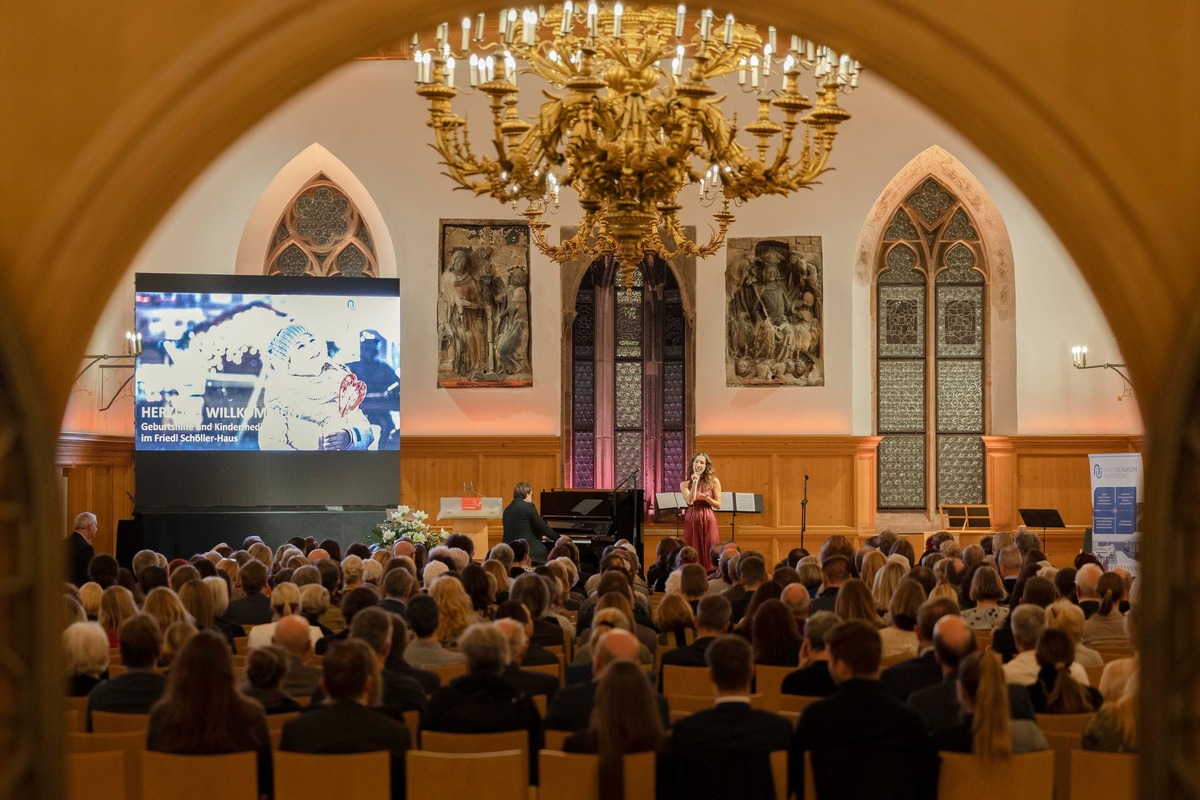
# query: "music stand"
{"points": [[740, 503], [1041, 518], [670, 501]]}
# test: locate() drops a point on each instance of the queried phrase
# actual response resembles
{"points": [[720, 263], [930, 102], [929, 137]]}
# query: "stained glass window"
{"points": [[322, 233], [930, 404]]}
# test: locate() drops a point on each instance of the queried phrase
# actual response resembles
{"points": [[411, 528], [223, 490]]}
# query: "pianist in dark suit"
{"points": [[522, 521]]}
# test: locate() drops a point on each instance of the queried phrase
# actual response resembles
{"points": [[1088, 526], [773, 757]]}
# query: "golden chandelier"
{"points": [[630, 120]]}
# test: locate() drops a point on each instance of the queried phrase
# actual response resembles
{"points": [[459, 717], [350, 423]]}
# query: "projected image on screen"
{"points": [[275, 372]]}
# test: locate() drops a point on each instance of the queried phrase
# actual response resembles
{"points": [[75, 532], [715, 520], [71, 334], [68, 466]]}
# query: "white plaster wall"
{"points": [[368, 117]]}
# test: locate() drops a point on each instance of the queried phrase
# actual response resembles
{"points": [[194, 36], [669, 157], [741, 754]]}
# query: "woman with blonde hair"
{"points": [[89, 597], [314, 602], [855, 601], [886, 580], [944, 591], [605, 620], [352, 572], [285, 600], [900, 637], [1068, 617], [372, 572], [455, 614], [116, 606], [197, 598], [164, 606], [986, 728], [175, 636], [85, 648], [72, 611], [1114, 728], [495, 569], [675, 621], [872, 562]]}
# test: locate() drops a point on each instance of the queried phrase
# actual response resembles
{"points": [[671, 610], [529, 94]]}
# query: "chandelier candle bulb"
{"points": [[728, 30], [618, 10], [809, 53], [502, 22], [473, 65], [680, 16], [568, 10], [450, 72], [705, 24], [466, 34], [768, 51], [529, 28], [417, 64], [742, 73], [593, 14], [480, 20], [754, 72]]}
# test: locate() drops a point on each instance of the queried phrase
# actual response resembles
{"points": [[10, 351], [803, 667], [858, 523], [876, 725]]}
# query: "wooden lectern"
{"points": [[470, 516]]}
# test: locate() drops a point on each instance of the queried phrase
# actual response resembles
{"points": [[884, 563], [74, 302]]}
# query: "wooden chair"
{"points": [[304, 776], [568, 776], [694, 681], [242, 643], [983, 640], [893, 660], [540, 701], [555, 740], [555, 670], [449, 672], [166, 776], [965, 777], [96, 776], [115, 670], [72, 721], [111, 722], [276, 735], [412, 721], [131, 744], [1114, 653], [275, 722], [1064, 723], [779, 775], [1112, 776], [437, 776], [795, 702], [1094, 674], [767, 682], [1061, 744], [686, 704]]}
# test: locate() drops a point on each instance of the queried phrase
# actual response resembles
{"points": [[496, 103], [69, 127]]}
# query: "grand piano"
{"points": [[595, 518]]}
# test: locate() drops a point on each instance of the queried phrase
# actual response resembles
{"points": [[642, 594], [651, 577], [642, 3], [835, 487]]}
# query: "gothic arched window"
{"points": [[321, 233], [931, 353]]}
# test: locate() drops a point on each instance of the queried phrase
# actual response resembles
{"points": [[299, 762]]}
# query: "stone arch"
{"points": [[936, 163], [292, 177]]}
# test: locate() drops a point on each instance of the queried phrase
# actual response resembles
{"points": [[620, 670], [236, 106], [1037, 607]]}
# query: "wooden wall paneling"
{"points": [[1000, 475], [99, 477], [1052, 472]]}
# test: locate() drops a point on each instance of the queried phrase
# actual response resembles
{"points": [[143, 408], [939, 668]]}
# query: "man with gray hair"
{"points": [[528, 681], [1008, 564], [813, 679], [1085, 588], [400, 692], [483, 700], [79, 547], [1027, 622]]}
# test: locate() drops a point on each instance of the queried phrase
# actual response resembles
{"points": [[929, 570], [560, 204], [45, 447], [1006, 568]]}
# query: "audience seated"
{"points": [[531, 683], [916, 673], [571, 706], [1027, 623], [1037, 592], [1065, 616], [862, 724], [675, 620], [201, 713], [986, 593], [900, 636], [712, 620], [265, 668], [346, 724], [835, 571], [1087, 576], [1114, 728], [1120, 674], [426, 651], [85, 649], [354, 601], [1106, 628], [1055, 691], [731, 733], [813, 678], [139, 687], [986, 727], [116, 606], [301, 676], [774, 636]]}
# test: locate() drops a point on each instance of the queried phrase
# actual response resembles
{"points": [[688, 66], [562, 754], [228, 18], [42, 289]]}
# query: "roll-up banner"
{"points": [[1116, 509]]}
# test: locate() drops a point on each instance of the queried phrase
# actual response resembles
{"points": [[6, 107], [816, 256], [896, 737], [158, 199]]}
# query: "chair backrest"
{"points": [[438, 776], [449, 672], [549, 669], [569, 776], [1114, 653], [685, 704], [242, 643], [1112, 776], [277, 721], [540, 701], [72, 721], [767, 681], [412, 721], [966, 777], [131, 745], [96, 776], [1065, 723], [555, 740], [166, 776], [779, 774], [112, 722], [795, 702], [1093, 674], [439, 742], [303, 776], [693, 681], [1062, 743], [116, 670]]}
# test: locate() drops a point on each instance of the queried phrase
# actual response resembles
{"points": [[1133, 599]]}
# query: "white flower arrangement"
{"points": [[405, 523]]}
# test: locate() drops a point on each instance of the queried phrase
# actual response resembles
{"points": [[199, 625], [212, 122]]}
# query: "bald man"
{"points": [[317, 555], [571, 707], [404, 548], [293, 635], [953, 640], [795, 597]]}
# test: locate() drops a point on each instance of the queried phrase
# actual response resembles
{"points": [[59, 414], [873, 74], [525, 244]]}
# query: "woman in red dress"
{"points": [[702, 492]]}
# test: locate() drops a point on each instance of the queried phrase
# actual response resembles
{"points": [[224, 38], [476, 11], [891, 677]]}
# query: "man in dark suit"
{"points": [[571, 707], [527, 681], [483, 700], [522, 521], [535, 656], [863, 742], [400, 693], [752, 573], [398, 586], [1008, 565], [712, 620], [255, 607], [813, 680], [835, 570], [916, 673], [79, 547], [140, 687], [396, 662], [730, 732], [303, 676], [1039, 592], [953, 640], [346, 724]]}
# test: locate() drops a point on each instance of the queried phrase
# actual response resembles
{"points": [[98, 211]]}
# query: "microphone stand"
{"points": [[804, 513]]}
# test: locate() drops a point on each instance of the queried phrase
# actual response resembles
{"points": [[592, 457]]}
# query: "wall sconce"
{"points": [[1079, 361], [126, 360]]}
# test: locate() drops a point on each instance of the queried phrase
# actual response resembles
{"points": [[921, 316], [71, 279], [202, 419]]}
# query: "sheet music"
{"points": [[727, 501], [744, 501], [669, 500]]}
